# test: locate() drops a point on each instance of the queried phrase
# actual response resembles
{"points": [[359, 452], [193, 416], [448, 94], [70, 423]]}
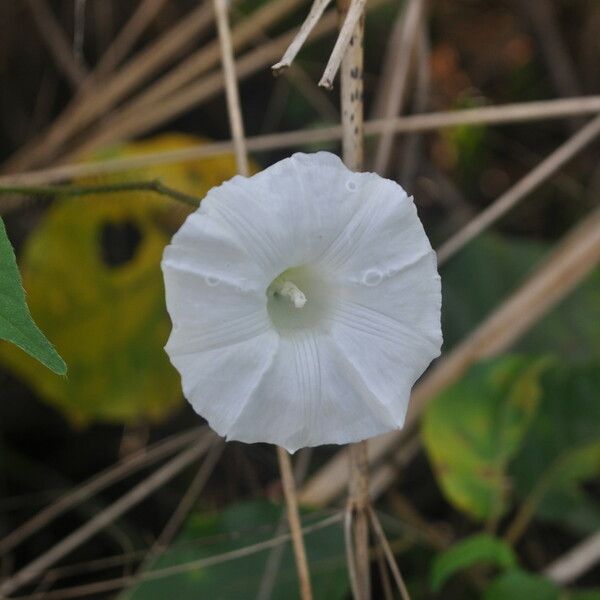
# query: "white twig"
{"points": [[403, 42], [354, 14], [576, 562], [231, 87], [315, 13], [490, 115]]}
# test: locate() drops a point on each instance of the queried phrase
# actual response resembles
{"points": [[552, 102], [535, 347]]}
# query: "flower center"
{"points": [[299, 298], [288, 289]]}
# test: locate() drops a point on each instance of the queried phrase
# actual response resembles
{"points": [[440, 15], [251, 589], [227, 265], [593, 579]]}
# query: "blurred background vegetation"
{"points": [[504, 476]]}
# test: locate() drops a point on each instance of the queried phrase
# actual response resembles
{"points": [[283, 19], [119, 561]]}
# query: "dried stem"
{"points": [[385, 546], [357, 512], [129, 34], [491, 115], [395, 77], [534, 178], [95, 100], [352, 150], [315, 13], [183, 508], [234, 110], [57, 43], [576, 561], [352, 14], [188, 567], [289, 491], [103, 479], [104, 518]]}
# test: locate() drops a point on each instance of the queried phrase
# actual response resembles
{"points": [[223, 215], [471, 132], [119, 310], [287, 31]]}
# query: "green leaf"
{"points": [[562, 449], [482, 548], [520, 584], [474, 428], [107, 313], [494, 266], [16, 323], [238, 526]]}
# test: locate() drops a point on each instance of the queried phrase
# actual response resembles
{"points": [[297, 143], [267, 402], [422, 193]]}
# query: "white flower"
{"points": [[305, 303]]}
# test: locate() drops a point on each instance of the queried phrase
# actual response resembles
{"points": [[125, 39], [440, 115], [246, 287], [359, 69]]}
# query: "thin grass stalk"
{"points": [[108, 585], [491, 115], [111, 475], [291, 500], [141, 491], [234, 109]]}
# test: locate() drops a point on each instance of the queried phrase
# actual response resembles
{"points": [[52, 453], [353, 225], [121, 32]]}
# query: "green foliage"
{"points": [[562, 448], [494, 266], [92, 274], [520, 584], [477, 549], [474, 428], [16, 323], [238, 526]]}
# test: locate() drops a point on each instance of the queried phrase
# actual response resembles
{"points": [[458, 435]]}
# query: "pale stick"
{"points": [[289, 491], [351, 89]]}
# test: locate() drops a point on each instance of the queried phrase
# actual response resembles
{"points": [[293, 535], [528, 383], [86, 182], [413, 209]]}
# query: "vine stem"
{"points": [[291, 500], [154, 185]]}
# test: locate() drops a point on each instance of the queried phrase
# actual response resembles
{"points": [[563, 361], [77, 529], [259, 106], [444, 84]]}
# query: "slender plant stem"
{"points": [[389, 555], [111, 475], [114, 511], [351, 75], [490, 115], [234, 110], [107, 585], [289, 491], [155, 186]]}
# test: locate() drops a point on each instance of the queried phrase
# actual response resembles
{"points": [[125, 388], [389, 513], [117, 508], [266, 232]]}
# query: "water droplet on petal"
{"points": [[372, 277], [212, 281]]}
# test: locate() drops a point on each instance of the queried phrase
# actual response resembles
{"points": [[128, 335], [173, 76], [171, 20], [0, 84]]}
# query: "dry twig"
{"points": [[103, 479], [315, 13], [202, 563], [491, 115], [385, 546], [289, 490], [57, 43], [107, 516], [395, 75], [353, 15], [234, 110], [576, 562]]}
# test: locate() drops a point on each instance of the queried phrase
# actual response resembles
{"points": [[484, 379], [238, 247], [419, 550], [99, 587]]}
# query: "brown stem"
{"points": [[291, 500], [351, 75]]}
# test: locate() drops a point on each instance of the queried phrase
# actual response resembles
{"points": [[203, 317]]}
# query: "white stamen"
{"points": [[290, 290]]}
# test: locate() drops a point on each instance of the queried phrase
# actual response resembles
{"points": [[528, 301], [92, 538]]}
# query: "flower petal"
{"points": [[389, 354], [311, 395], [383, 236], [288, 214], [220, 381]]}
